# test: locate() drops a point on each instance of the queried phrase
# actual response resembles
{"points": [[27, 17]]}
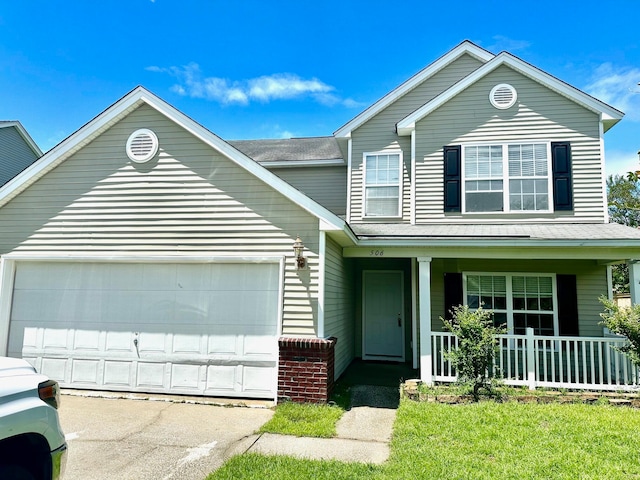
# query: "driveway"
{"points": [[116, 438]]}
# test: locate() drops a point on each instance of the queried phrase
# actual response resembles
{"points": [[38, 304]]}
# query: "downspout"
{"points": [[349, 173]]}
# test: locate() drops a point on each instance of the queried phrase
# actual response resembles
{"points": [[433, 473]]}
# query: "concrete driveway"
{"points": [[116, 438]]}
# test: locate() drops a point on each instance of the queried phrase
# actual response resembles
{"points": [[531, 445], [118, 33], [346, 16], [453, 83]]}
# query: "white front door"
{"points": [[383, 315]]}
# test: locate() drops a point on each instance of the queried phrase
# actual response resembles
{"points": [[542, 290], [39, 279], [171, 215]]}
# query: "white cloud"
{"points": [[266, 88], [510, 45], [617, 86]]}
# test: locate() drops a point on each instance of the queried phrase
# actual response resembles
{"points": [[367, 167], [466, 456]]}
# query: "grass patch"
{"points": [[304, 420], [485, 440], [252, 466]]}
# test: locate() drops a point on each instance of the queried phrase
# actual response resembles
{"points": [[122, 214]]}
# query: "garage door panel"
{"points": [[86, 371], [118, 374], [151, 375], [198, 327]]}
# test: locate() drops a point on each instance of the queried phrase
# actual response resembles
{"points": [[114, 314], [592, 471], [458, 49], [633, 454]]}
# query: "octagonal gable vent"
{"points": [[142, 145], [503, 96]]}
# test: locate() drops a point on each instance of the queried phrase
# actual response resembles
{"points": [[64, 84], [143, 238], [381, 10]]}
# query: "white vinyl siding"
{"points": [[190, 200], [339, 305], [540, 115], [378, 133], [325, 185], [382, 184]]}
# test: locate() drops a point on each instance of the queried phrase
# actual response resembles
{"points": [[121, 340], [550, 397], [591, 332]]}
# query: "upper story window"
{"points": [[507, 177], [523, 177], [382, 184]]}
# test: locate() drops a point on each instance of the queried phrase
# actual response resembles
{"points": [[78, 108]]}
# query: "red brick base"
{"points": [[305, 372]]}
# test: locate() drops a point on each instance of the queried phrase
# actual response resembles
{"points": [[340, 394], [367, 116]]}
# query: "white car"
{"points": [[32, 444]]}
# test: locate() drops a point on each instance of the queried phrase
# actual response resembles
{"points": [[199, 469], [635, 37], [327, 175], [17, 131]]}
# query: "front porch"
{"points": [[582, 363]]}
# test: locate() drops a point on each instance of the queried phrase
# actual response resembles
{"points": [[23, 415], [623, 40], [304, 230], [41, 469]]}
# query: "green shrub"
{"points": [[474, 358], [624, 321]]}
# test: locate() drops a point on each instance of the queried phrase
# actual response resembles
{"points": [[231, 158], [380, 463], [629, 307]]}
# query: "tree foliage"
{"points": [[474, 358], [623, 198], [624, 321]]}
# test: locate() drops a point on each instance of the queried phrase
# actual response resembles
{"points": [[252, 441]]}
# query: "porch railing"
{"points": [[530, 360]]}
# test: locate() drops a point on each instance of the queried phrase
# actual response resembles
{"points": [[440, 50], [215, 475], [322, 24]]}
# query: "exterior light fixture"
{"points": [[298, 250]]}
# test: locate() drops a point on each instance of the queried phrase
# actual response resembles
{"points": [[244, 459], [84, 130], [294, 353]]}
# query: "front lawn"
{"points": [[483, 440], [304, 420]]}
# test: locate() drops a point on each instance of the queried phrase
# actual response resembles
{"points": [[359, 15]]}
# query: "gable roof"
{"points": [[465, 47], [130, 102], [311, 151], [24, 134], [608, 115]]}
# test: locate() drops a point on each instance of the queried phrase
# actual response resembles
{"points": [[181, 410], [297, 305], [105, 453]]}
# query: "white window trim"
{"points": [[509, 310], [400, 184], [505, 177]]}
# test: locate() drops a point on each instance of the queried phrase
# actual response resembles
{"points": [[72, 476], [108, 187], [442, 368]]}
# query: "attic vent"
{"points": [[503, 96], [142, 145]]}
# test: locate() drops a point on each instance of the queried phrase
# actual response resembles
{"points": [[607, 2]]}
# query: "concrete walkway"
{"points": [[363, 432]]}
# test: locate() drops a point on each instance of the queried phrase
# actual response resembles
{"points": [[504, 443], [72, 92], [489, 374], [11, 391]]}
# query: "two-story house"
{"points": [[144, 253]]}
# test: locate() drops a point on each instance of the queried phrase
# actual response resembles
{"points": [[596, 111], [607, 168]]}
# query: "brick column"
{"points": [[305, 372]]}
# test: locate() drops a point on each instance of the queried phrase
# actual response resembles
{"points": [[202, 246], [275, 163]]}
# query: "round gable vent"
{"points": [[503, 96], [142, 145]]}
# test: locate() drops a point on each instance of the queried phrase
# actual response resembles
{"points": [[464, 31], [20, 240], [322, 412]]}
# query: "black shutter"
{"points": [[452, 178], [562, 186], [567, 305], [452, 292]]}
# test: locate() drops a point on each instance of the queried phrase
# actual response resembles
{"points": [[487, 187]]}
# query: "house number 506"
{"points": [[376, 253]]}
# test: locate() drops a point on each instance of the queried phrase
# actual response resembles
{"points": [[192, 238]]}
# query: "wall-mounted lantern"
{"points": [[298, 251]]}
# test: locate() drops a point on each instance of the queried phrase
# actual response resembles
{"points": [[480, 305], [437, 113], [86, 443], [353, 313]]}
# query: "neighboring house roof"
{"points": [[609, 115], [128, 103], [23, 133], [463, 48], [591, 233], [292, 152]]}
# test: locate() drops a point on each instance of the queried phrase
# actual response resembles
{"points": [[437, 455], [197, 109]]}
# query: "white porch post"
{"points": [[634, 281], [424, 297]]}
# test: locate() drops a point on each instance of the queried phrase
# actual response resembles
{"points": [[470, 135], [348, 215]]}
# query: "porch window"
{"points": [[382, 184], [507, 177], [518, 301]]}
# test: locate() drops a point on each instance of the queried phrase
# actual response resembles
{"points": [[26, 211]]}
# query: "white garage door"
{"points": [[198, 329]]}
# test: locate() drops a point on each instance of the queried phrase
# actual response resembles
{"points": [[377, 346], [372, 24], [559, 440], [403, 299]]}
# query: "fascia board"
{"points": [[421, 76], [608, 113], [132, 100]]}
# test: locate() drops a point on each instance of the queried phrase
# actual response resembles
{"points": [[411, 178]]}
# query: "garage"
{"points": [[184, 328]]}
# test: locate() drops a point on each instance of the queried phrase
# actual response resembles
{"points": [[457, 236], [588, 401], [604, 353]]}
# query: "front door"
{"points": [[383, 315]]}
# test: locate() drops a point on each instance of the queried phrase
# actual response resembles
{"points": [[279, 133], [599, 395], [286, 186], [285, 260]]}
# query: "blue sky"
{"points": [[260, 69]]}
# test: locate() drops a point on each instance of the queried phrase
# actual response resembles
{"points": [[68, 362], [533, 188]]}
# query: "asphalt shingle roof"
{"points": [[290, 149], [550, 231]]}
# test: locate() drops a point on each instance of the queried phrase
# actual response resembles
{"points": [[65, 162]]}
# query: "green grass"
{"points": [[480, 441], [304, 420]]}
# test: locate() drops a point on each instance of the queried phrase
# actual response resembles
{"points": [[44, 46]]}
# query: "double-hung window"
{"points": [[507, 178], [382, 184], [518, 301]]}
